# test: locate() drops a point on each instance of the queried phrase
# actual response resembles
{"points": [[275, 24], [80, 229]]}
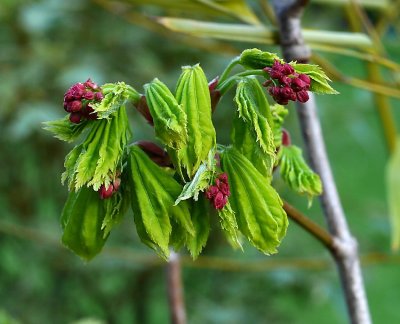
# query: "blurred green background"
{"points": [[45, 47]]}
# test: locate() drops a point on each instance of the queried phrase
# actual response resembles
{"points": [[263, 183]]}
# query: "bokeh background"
{"points": [[48, 45]]}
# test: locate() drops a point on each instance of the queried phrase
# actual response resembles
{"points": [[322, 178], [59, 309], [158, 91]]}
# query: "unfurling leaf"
{"points": [[229, 226], [168, 117], [319, 80], [95, 162], [82, 220], [201, 179], [279, 114], [153, 192], [64, 130], [297, 174], [257, 59], [115, 97], [253, 109], [393, 190], [257, 206], [193, 95]]}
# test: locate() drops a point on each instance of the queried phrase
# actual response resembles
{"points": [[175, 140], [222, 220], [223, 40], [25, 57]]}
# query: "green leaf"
{"points": [[319, 80], [393, 190], [153, 192], [230, 226], [201, 179], [115, 96], [243, 140], [297, 174], [200, 213], [97, 160], [256, 59], [169, 119], [257, 206], [279, 114], [64, 130], [193, 95], [82, 219]]}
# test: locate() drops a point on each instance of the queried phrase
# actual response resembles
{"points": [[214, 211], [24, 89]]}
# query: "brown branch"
{"points": [[345, 251], [313, 228], [175, 290]]}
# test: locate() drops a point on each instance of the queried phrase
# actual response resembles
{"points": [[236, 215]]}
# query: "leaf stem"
{"points": [[229, 68], [223, 87]]}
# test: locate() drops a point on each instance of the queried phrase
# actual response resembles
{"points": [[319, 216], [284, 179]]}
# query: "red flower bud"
{"points": [[89, 95], [106, 192], [98, 96], [224, 189], [287, 69], [302, 96], [75, 117], [223, 177], [286, 141], [211, 192], [90, 84], [305, 78], [75, 106], [220, 201]]}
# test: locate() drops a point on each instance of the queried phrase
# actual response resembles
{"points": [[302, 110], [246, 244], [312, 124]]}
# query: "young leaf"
{"points": [[64, 130], [201, 179], [393, 189], [200, 213], [319, 80], [168, 117], [256, 59], [257, 206], [115, 96], [297, 174], [279, 114], [153, 192], [230, 226], [193, 95], [96, 160], [81, 221]]}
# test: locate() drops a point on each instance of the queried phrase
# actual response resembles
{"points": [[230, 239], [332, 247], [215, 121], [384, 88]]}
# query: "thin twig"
{"points": [[345, 250], [175, 289]]}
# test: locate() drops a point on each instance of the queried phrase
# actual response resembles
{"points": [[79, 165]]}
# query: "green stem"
{"points": [[223, 87], [229, 68]]}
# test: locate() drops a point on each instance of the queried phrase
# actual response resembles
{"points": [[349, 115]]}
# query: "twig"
{"points": [[175, 290], [345, 246]]}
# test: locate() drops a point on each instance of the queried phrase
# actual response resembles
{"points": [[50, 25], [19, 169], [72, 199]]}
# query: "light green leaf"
{"points": [[201, 179], [153, 191], [257, 206], [393, 190], [230, 226], [319, 80], [279, 114], [115, 96], [297, 174], [168, 117], [97, 160], [82, 219], [256, 59], [193, 95], [200, 213], [64, 130]]}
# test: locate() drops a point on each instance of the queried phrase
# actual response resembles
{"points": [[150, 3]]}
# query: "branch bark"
{"points": [[175, 289], [345, 250]]}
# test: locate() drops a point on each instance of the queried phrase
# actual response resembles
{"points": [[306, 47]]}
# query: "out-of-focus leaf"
{"points": [[96, 160], [393, 190], [82, 219], [193, 95], [297, 174], [257, 206], [64, 130], [168, 117], [319, 80], [153, 192], [115, 96]]}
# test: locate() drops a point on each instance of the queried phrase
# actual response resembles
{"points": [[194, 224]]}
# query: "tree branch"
{"points": [[175, 290], [344, 245]]}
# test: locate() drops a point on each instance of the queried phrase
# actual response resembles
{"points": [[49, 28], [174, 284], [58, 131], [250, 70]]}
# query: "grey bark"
{"points": [[175, 290], [345, 249]]}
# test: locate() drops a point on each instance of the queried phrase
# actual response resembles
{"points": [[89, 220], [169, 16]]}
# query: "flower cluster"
{"points": [[218, 194], [286, 84], [78, 98], [107, 192]]}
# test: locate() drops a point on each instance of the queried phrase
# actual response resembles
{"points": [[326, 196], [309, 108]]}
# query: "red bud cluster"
{"points": [[286, 84], [78, 98], [218, 194], [107, 192]]}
